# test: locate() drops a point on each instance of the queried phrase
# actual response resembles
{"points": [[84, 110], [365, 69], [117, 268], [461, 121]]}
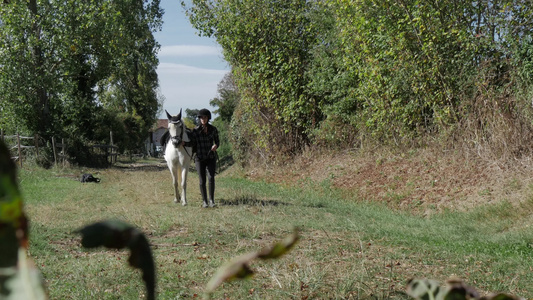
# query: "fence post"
{"points": [[112, 148], [63, 151], [54, 147], [36, 141], [20, 152]]}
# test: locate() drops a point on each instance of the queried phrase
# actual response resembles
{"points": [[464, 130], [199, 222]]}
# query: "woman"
{"points": [[206, 142]]}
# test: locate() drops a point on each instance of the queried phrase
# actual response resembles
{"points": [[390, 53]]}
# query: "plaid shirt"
{"points": [[204, 141]]}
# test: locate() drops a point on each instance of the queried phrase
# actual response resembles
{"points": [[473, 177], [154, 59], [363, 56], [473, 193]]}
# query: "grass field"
{"points": [[348, 249]]}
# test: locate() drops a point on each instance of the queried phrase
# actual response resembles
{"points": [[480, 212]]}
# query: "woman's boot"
{"points": [[204, 196], [212, 195]]}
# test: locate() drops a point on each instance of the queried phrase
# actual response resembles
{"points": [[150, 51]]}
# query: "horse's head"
{"points": [[175, 124]]}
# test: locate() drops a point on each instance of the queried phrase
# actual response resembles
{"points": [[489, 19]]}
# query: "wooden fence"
{"points": [[61, 155], [104, 154], [20, 148], [107, 153]]}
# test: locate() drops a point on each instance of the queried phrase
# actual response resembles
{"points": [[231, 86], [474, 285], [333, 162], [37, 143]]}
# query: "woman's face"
{"points": [[203, 120]]}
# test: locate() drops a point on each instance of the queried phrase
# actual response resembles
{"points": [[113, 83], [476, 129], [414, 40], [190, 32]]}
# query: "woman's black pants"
{"points": [[206, 168]]}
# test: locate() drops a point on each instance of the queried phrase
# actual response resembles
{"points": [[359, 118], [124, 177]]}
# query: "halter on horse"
{"points": [[178, 157]]}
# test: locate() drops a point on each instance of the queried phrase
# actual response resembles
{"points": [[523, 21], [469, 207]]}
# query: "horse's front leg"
{"points": [[184, 172], [174, 173]]}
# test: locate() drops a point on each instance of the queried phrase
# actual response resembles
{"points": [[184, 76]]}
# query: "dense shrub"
{"points": [[344, 73]]}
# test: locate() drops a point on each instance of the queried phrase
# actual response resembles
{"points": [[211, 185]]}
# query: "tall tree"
{"points": [[267, 44], [63, 61], [227, 99]]}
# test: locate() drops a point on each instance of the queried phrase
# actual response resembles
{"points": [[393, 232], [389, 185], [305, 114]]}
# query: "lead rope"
{"points": [[217, 169]]}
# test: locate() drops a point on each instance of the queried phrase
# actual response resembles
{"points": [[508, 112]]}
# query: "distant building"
{"points": [[153, 143]]}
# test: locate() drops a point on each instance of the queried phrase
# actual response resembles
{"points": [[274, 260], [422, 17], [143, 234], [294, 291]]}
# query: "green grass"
{"points": [[348, 249]]}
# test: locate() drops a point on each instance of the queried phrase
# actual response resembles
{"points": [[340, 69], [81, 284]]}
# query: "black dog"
{"points": [[89, 178]]}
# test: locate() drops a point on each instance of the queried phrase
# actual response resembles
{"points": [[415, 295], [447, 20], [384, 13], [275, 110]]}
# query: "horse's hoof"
{"points": [[176, 201], [184, 203]]}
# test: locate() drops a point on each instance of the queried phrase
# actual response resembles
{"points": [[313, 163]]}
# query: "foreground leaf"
{"points": [[238, 268], [115, 234], [235, 269], [455, 289], [23, 282], [281, 248], [19, 278], [426, 289]]}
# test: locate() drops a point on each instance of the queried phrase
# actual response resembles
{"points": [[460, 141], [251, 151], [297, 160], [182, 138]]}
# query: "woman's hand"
{"points": [[214, 148]]}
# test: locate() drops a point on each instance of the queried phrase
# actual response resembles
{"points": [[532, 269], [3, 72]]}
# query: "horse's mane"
{"points": [[164, 139]]}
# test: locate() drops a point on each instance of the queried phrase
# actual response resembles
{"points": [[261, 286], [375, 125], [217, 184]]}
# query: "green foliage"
{"points": [[65, 63], [225, 149], [404, 60], [410, 68], [192, 116], [228, 98], [266, 43], [388, 71]]}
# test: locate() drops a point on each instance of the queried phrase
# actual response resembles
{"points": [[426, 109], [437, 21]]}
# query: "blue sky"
{"points": [[190, 66]]}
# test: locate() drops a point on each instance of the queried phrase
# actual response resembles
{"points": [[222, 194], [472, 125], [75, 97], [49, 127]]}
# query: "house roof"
{"points": [[161, 123]]}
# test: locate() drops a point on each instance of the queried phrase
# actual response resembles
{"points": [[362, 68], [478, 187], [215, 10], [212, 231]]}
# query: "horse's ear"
{"points": [[179, 115], [168, 115]]}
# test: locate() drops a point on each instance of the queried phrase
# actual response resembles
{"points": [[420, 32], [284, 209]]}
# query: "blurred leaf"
{"points": [[8, 247], [235, 269], [116, 234], [280, 248], [11, 209], [238, 268], [504, 297], [113, 234], [19, 279], [425, 289], [455, 289], [23, 282]]}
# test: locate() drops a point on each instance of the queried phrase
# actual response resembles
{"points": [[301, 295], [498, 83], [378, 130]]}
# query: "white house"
{"points": [[153, 142]]}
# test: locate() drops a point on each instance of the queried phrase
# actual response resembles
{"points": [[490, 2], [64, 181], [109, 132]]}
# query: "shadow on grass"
{"points": [[141, 167], [251, 201], [160, 165]]}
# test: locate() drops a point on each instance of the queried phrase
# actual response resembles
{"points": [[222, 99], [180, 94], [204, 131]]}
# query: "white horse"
{"points": [[177, 156]]}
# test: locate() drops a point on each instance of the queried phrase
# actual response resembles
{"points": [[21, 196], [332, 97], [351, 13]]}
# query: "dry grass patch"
{"points": [[421, 181]]}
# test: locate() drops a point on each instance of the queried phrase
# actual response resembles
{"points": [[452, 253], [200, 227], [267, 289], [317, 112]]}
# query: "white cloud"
{"points": [[187, 87], [189, 50], [166, 69]]}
